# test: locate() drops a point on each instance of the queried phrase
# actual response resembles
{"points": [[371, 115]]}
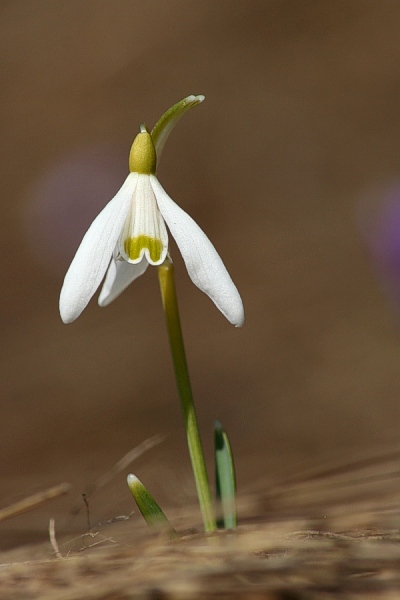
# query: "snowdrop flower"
{"points": [[130, 233]]}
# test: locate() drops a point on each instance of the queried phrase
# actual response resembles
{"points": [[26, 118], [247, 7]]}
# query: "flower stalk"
{"points": [[171, 310]]}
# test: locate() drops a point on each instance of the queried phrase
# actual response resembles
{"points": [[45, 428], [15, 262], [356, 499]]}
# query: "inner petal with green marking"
{"points": [[135, 247], [144, 233]]}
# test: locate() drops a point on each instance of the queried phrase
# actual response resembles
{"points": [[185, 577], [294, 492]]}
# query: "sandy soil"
{"points": [[329, 533]]}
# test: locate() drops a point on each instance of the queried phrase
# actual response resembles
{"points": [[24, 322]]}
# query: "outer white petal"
{"points": [[93, 255], [203, 262], [119, 275]]}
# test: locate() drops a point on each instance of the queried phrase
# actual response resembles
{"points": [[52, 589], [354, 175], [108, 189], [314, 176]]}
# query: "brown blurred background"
{"points": [[282, 166]]}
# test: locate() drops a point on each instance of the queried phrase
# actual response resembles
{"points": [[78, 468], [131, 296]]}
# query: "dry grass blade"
{"points": [[126, 461], [32, 502]]}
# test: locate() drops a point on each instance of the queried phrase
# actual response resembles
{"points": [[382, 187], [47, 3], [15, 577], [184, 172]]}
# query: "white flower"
{"points": [[130, 233]]}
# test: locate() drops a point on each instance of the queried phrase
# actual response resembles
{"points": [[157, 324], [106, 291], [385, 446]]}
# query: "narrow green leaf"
{"points": [[151, 511], [225, 479]]}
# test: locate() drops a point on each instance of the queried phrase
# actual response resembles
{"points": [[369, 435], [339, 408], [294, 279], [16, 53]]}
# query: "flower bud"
{"points": [[142, 157]]}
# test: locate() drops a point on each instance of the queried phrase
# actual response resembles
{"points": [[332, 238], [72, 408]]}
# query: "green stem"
{"points": [[171, 310]]}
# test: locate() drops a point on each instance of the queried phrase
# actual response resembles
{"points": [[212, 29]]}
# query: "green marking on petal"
{"points": [[134, 246]]}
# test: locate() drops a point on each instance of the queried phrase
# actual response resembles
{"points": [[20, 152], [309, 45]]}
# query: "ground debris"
{"points": [[259, 561]]}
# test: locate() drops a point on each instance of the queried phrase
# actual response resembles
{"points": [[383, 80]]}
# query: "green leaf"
{"points": [[225, 479], [152, 513]]}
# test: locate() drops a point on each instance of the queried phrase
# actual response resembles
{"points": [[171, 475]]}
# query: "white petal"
{"points": [[119, 275], [93, 255], [203, 263], [144, 232]]}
